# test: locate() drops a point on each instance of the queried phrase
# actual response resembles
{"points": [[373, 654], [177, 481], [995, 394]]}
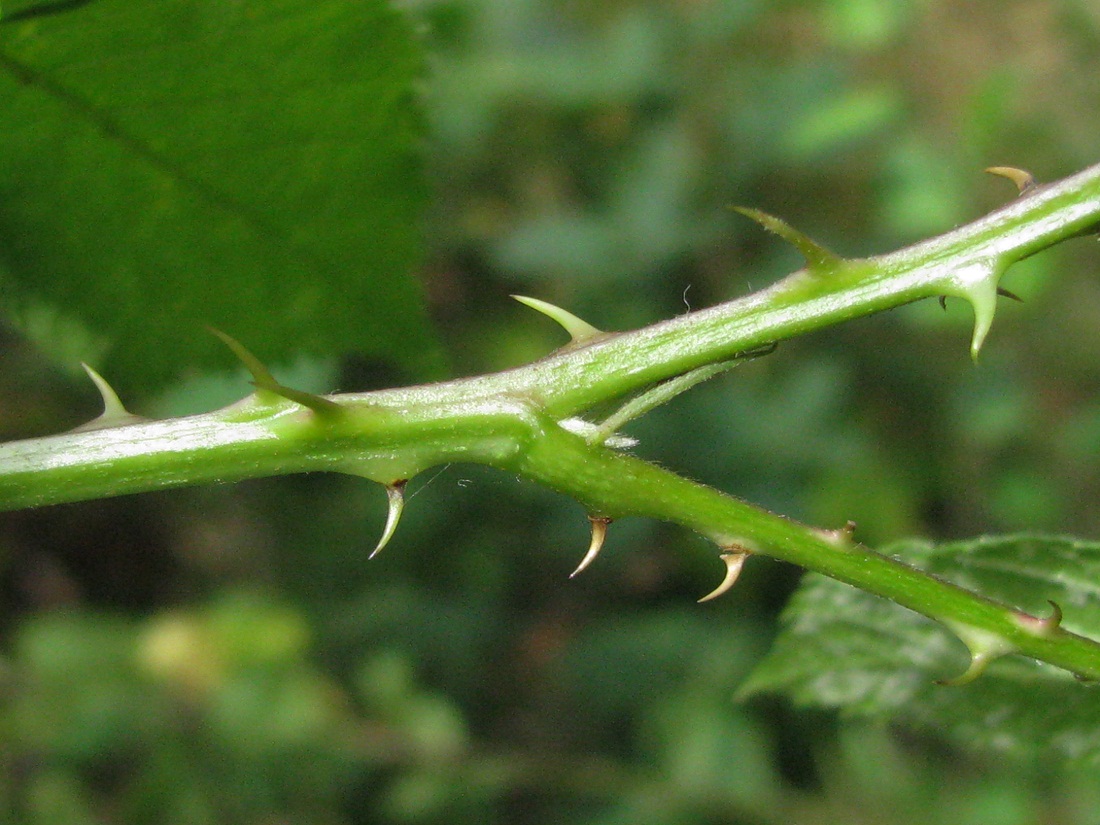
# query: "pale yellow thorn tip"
{"points": [[599, 533], [1023, 179], [112, 405], [734, 562], [395, 493], [579, 330]]}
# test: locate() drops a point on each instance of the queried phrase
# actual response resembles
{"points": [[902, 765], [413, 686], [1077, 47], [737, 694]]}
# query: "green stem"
{"points": [[511, 419], [614, 484]]}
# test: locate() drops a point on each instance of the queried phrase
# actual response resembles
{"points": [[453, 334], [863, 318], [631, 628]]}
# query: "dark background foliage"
{"points": [[227, 654]]}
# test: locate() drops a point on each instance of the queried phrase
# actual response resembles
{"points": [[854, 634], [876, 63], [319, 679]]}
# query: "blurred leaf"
{"points": [[922, 193], [865, 24], [842, 648], [16, 9], [81, 693], [840, 120], [57, 798], [647, 223], [250, 166], [710, 747], [567, 245]]}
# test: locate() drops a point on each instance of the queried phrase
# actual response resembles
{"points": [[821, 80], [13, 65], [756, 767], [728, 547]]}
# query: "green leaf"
{"points": [[843, 648], [250, 166]]}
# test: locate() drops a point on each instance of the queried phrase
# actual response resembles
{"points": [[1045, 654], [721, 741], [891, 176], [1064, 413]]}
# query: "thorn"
{"points": [[1054, 620], [262, 379], [817, 256], [395, 493], [1041, 627], [978, 664], [1025, 181], [580, 331], [983, 300], [977, 283], [114, 413], [840, 537], [734, 562], [984, 647], [599, 533], [112, 405]]}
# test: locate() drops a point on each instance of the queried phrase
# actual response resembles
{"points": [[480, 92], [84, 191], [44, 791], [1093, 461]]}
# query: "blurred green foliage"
{"points": [[227, 655], [169, 166]]}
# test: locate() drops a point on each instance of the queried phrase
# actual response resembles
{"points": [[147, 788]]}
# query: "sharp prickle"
{"points": [[262, 379], [734, 562], [395, 493], [579, 330], [1024, 180], [599, 533], [818, 258], [114, 412]]}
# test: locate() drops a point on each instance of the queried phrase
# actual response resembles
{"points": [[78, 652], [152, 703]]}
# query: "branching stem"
{"points": [[511, 419]]}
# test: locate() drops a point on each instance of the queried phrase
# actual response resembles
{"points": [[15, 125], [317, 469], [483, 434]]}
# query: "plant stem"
{"points": [[615, 484], [511, 419]]}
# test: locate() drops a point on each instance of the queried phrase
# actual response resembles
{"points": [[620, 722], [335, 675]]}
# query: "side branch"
{"points": [[524, 420], [616, 485]]}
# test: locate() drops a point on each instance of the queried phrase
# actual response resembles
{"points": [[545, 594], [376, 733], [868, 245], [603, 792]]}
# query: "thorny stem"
{"points": [[524, 420]]}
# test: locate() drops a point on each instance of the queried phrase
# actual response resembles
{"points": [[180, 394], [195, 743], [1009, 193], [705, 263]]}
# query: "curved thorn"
{"points": [[1042, 628], [112, 405], [114, 413], [262, 379], [734, 562], [1004, 293], [978, 664], [1023, 179], [984, 647], [599, 533], [1054, 620], [395, 493], [817, 256], [579, 330], [943, 303], [977, 283]]}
